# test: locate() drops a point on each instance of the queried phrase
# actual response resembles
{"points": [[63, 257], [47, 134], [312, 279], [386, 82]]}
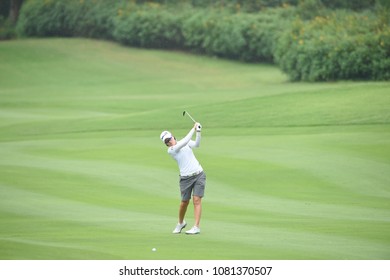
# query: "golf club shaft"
{"points": [[190, 117]]}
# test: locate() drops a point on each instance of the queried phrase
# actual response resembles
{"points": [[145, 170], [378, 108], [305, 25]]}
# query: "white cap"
{"points": [[165, 135]]}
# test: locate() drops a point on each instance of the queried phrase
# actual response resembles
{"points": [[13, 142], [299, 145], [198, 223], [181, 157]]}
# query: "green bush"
{"points": [[7, 30], [262, 31], [89, 18], [149, 26], [248, 37], [339, 46], [349, 4], [249, 6], [217, 33], [308, 41], [42, 18], [197, 30]]}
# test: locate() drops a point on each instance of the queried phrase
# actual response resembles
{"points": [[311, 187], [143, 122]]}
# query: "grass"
{"points": [[295, 170]]}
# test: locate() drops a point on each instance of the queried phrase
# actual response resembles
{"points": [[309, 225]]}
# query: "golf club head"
{"points": [[186, 113]]}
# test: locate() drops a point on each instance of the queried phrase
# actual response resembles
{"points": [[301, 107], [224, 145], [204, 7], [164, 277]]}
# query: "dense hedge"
{"points": [[89, 18], [307, 43], [253, 6], [248, 37], [339, 46], [6, 29], [148, 26]]}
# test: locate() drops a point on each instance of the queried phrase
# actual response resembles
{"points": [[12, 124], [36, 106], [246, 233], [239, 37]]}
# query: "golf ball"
{"points": [[154, 249]]}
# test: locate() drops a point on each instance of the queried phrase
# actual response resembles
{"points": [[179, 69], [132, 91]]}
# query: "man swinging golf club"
{"points": [[192, 177]]}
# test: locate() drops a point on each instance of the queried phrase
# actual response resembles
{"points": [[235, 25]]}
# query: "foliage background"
{"points": [[310, 40]]}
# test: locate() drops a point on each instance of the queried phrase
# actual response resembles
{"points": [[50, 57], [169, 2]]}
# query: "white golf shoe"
{"points": [[179, 227], [193, 230]]}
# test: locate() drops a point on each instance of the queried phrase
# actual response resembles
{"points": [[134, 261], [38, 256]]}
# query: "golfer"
{"points": [[192, 177]]}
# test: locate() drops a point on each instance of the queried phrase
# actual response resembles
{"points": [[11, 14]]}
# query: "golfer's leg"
{"points": [[183, 210], [197, 209]]}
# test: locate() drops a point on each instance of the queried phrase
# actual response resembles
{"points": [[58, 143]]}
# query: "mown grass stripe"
{"points": [[295, 170]]}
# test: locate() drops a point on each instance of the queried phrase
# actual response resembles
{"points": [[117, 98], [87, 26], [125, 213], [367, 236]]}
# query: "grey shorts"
{"points": [[194, 184]]}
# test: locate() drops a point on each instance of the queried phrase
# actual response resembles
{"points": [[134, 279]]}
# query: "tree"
{"points": [[14, 9]]}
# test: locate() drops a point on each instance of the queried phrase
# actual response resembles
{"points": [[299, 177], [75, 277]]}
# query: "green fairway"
{"points": [[294, 170]]}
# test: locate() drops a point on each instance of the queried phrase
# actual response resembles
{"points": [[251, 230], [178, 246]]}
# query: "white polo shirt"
{"points": [[184, 156]]}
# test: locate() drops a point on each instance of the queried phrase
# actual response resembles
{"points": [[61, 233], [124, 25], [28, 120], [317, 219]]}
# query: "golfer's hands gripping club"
{"points": [[198, 127]]}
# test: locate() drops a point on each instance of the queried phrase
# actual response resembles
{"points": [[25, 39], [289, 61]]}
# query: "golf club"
{"points": [[186, 113]]}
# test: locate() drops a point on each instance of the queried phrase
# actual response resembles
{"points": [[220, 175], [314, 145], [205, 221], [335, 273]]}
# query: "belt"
{"points": [[192, 174]]}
